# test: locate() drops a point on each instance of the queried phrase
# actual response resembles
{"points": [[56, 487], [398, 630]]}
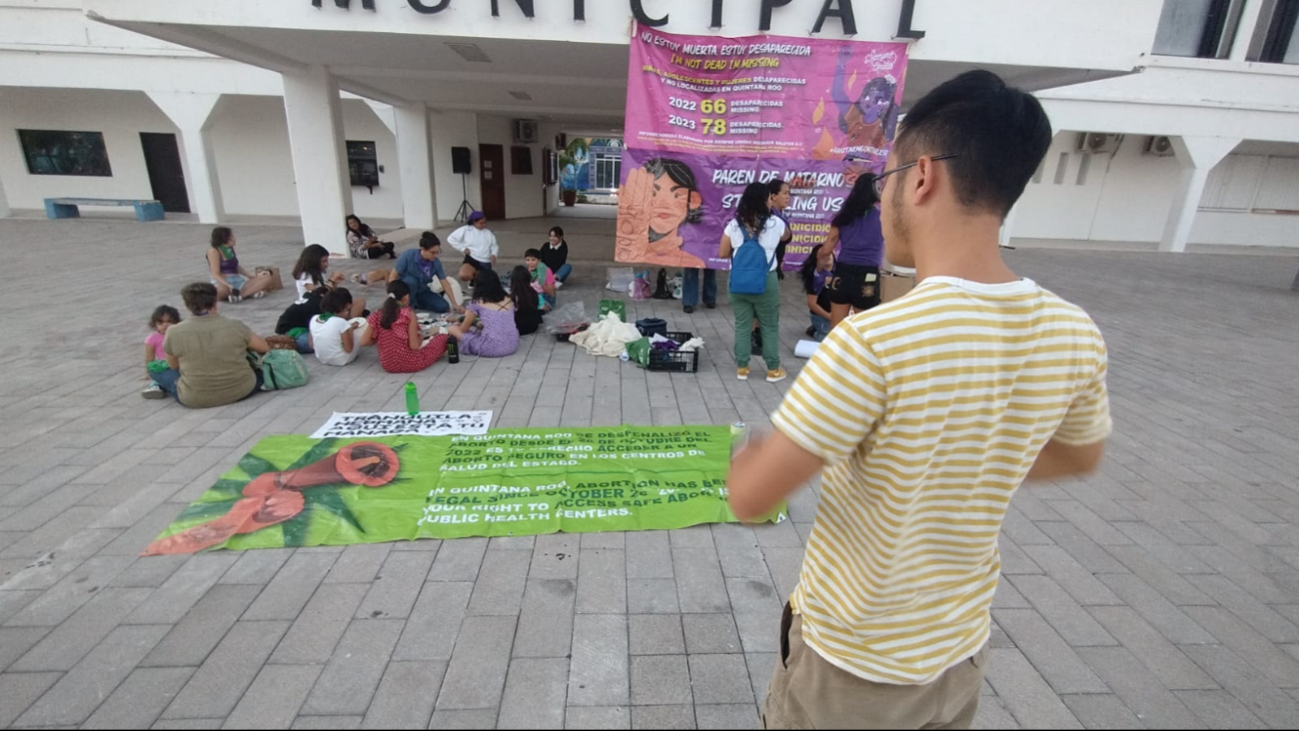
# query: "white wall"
{"points": [[121, 117], [251, 139], [1127, 197], [523, 195], [447, 130], [361, 123], [1109, 34]]}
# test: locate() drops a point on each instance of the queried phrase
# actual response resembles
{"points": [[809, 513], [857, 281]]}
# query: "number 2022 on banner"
{"points": [[715, 125]]}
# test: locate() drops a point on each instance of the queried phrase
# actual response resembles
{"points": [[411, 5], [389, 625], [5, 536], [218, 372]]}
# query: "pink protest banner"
{"points": [[707, 115]]}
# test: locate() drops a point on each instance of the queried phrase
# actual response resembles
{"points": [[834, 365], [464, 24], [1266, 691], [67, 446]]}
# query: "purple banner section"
{"points": [[708, 115]]}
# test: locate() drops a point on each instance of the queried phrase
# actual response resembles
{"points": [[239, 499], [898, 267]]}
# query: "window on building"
{"points": [[608, 170], [521, 160], [1280, 46], [55, 152], [1197, 28], [363, 163]]}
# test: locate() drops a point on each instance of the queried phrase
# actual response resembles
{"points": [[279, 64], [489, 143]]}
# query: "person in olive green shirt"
{"points": [[207, 357]]}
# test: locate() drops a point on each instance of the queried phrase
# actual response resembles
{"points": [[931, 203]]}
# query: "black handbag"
{"points": [[662, 291], [651, 326]]}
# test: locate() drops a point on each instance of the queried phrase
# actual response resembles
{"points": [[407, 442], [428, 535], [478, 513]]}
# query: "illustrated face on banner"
{"points": [[658, 198], [708, 115]]}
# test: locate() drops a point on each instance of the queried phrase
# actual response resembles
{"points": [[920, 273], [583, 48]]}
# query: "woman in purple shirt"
{"points": [[856, 232]]}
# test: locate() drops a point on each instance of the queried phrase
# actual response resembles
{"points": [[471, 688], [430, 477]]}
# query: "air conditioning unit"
{"points": [[1098, 143], [525, 131], [1159, 147]]}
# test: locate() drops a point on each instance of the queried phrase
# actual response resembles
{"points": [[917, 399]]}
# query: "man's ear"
{"points": [[696, 200], [923, 180]]}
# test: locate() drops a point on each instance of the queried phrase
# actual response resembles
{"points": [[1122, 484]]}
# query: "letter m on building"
{"points": [[346, 4]]}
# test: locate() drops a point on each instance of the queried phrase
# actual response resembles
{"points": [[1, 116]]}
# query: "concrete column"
{"points": [[1246, 31], [385, 114], [415, 154], [192, 115], [315, 120], [1197, 156]]}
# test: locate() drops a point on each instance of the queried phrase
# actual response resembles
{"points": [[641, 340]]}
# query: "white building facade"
{"points": [[1177, 120]]}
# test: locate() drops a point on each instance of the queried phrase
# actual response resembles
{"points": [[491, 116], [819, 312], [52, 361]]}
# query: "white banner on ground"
{"points": [[425, 424]]}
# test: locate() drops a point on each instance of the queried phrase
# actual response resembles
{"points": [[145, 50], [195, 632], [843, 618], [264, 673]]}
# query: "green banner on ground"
{"points": [[296, 491]]}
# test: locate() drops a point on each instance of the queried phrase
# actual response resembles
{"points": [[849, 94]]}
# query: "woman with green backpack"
{"points": [[750, 242], [207, 354]]}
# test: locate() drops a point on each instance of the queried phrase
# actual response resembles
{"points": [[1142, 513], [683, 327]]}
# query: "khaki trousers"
{"points": [[806, 691]]}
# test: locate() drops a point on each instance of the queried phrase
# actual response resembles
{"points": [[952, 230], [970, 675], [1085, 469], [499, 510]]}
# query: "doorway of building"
{"points": [[491, 171], [166, 175]]}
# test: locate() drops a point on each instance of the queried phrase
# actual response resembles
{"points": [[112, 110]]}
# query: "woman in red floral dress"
{"points": [[395, 330]]}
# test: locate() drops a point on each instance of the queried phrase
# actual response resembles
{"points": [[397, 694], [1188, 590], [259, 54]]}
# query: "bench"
{"points": [[145, 210]]}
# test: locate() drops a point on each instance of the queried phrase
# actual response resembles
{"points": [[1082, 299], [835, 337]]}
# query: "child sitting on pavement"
{"points": [[333, 336], [155, 358]]}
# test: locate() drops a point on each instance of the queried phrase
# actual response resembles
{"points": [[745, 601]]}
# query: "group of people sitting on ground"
{"points": [[204, 360]]}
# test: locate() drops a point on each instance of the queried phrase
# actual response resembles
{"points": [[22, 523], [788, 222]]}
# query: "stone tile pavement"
{"points": [[1162, 592]]}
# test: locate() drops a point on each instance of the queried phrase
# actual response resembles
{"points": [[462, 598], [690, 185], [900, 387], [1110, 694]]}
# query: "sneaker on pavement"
{"points": [[153, 391], [559, 285], [710, 305], [777, 375], [811, 331], [258, 295], [742, 374], [688, 309]]}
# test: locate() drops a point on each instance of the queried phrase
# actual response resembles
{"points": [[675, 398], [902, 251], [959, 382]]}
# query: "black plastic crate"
{"points": [[674, 361]]}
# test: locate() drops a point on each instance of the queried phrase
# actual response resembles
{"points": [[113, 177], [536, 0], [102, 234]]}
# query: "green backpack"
{"points": [[283, 369]]}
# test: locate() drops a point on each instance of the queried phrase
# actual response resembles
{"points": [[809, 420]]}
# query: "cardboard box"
{"points": [[894, 285], [276, 281]]}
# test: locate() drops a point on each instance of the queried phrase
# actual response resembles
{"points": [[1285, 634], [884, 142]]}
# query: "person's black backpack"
{"points": [[662, 292]]}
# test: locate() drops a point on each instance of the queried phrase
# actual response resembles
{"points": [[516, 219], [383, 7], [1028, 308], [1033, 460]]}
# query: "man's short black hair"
{"points": [[532, 254], [999, 135]]}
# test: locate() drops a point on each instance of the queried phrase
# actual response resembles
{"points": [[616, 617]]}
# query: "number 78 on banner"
{"points": [[713, 106]]}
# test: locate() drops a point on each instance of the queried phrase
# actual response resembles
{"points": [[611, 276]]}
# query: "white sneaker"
{"points": [[558, 284], [153, 391]]}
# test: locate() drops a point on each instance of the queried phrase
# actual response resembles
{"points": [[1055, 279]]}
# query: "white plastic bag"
{"points": [[620, 278], [566, 318]]}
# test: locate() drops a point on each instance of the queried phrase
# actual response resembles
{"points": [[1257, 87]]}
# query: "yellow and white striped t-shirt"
{"points": [[929, 412]]}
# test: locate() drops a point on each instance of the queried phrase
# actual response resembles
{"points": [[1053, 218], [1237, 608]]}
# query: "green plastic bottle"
{"points": [[412, 399]]}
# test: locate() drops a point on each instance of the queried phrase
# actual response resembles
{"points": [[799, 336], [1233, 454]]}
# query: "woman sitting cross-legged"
{"points": [[207, 362], [230, 279], [296, 319], [395, 330], [554, 254], [311, 275], [493, 309], [527, 302], [418, 268], [365, 244]]}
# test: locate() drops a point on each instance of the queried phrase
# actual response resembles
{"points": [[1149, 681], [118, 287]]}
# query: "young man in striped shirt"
{"points": [[924, 415]]}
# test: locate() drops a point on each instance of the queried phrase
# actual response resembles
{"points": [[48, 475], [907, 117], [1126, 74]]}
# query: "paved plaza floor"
{"points": [[1163, 591]]}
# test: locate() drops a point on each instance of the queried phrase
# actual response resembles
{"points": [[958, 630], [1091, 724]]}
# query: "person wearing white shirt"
{"points": [[336, 338], [753, 219], [478, 244]]}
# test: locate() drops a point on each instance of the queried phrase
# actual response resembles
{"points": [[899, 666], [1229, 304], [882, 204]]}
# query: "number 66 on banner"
{"points": [[713, 106]]}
